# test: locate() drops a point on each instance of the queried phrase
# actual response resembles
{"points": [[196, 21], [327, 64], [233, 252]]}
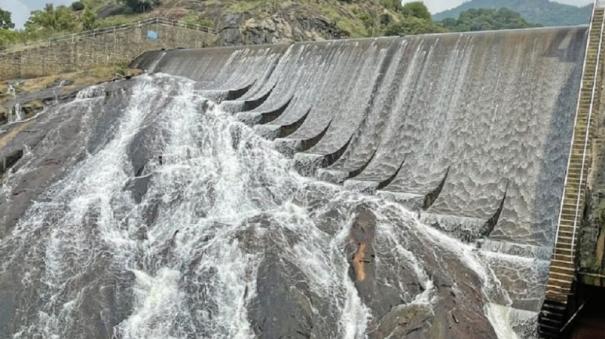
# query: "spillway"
{"points": [[391, 187]]}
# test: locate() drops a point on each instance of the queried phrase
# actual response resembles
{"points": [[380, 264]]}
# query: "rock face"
{"points": [[241, 29], [270, 22]]}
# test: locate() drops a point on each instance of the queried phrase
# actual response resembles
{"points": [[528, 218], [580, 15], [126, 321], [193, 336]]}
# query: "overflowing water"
{"points": [[179, 221]]}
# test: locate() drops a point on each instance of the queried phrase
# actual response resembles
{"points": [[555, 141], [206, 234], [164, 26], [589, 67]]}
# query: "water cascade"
{"points": [[395, 187]]}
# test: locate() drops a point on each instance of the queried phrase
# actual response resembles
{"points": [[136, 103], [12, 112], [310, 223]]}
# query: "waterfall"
{"points": [[179, 221]]}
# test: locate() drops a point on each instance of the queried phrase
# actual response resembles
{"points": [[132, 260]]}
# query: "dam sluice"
{"points": [[391, 187]]}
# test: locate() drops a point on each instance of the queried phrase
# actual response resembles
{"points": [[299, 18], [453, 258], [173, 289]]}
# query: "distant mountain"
{"points": [[543, 12]]}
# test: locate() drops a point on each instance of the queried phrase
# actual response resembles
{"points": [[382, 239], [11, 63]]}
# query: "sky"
{"points": [[22, 8], [436, 6]]}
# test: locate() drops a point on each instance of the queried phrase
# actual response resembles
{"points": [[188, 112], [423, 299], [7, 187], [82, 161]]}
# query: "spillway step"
{"points": [[556, 287], [562, 262], [572, 189], [550, 332], [553, 307], [552, 318], [562, 244], [566, 241], [574, 177], [557, 295], [564, 252], [563, 269], [573, 202], [569, 220], [571, 194], [569, 225], [563, 257], [566, 238], [560, 281], [571, 208], [567, 232], [562, 276]]}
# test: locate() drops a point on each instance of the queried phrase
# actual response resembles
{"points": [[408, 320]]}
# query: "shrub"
{"points": [[77, 6], [5, 20], [416, 9], [140, 6]]}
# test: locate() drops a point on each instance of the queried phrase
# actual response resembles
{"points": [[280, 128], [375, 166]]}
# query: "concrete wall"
{"points": [[114, 45]]}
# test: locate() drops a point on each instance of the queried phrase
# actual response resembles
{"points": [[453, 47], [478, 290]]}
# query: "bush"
{"points": [[5, 20], [394, 5], [51, 19], [486, 19], [89, 20], [416, 9], [413, 25], [140, 6], [7, 38], [77, 6]]}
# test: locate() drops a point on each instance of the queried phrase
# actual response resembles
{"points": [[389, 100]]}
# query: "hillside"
{"points": [[543, 12], [268, 21]]}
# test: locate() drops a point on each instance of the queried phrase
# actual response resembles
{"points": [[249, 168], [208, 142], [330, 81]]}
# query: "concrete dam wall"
{"points": [[393, 187], [473, 129], [107, 46]]}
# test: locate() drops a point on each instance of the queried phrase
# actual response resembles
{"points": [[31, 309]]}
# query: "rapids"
{"points": [[165, 216]]}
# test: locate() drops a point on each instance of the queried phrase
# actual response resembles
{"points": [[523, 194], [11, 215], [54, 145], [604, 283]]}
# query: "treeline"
{"points": [[48, 22], [416, 19], [54, 20]]}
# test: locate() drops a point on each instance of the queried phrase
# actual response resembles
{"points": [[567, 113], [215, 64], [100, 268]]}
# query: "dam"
{"points": [[402, 187]]}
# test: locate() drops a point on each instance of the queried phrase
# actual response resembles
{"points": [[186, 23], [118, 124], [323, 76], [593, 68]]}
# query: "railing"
{"points": [[597, 4], [101, 31], [595, 84]]}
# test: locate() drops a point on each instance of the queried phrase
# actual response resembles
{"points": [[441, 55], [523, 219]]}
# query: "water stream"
{"points": [[179, 221]]}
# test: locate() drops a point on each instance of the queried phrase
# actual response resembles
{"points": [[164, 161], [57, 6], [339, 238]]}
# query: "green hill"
{"points": [[543, 12], [238, 22]]}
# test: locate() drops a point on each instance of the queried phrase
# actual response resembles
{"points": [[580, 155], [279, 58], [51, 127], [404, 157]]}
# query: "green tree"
{"points": [[5, 20], [392, 4], [415, 19], [77, 6], [7, 37], [486, 19], [140, 6], [88, 19], [51, 19], [416, 9], [413, 25]]}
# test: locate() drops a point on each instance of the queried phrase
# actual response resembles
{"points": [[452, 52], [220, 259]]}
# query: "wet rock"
{"points": [[3, 115], [138, 187], [405, 322], [362, 269], [32, 108], [281, 308], [9, 304]]}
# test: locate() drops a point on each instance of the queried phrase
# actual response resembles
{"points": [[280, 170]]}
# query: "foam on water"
{"points": [[184, 261]]}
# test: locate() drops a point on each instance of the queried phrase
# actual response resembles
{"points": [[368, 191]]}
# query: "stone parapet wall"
{"points": [[110, 46]]}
